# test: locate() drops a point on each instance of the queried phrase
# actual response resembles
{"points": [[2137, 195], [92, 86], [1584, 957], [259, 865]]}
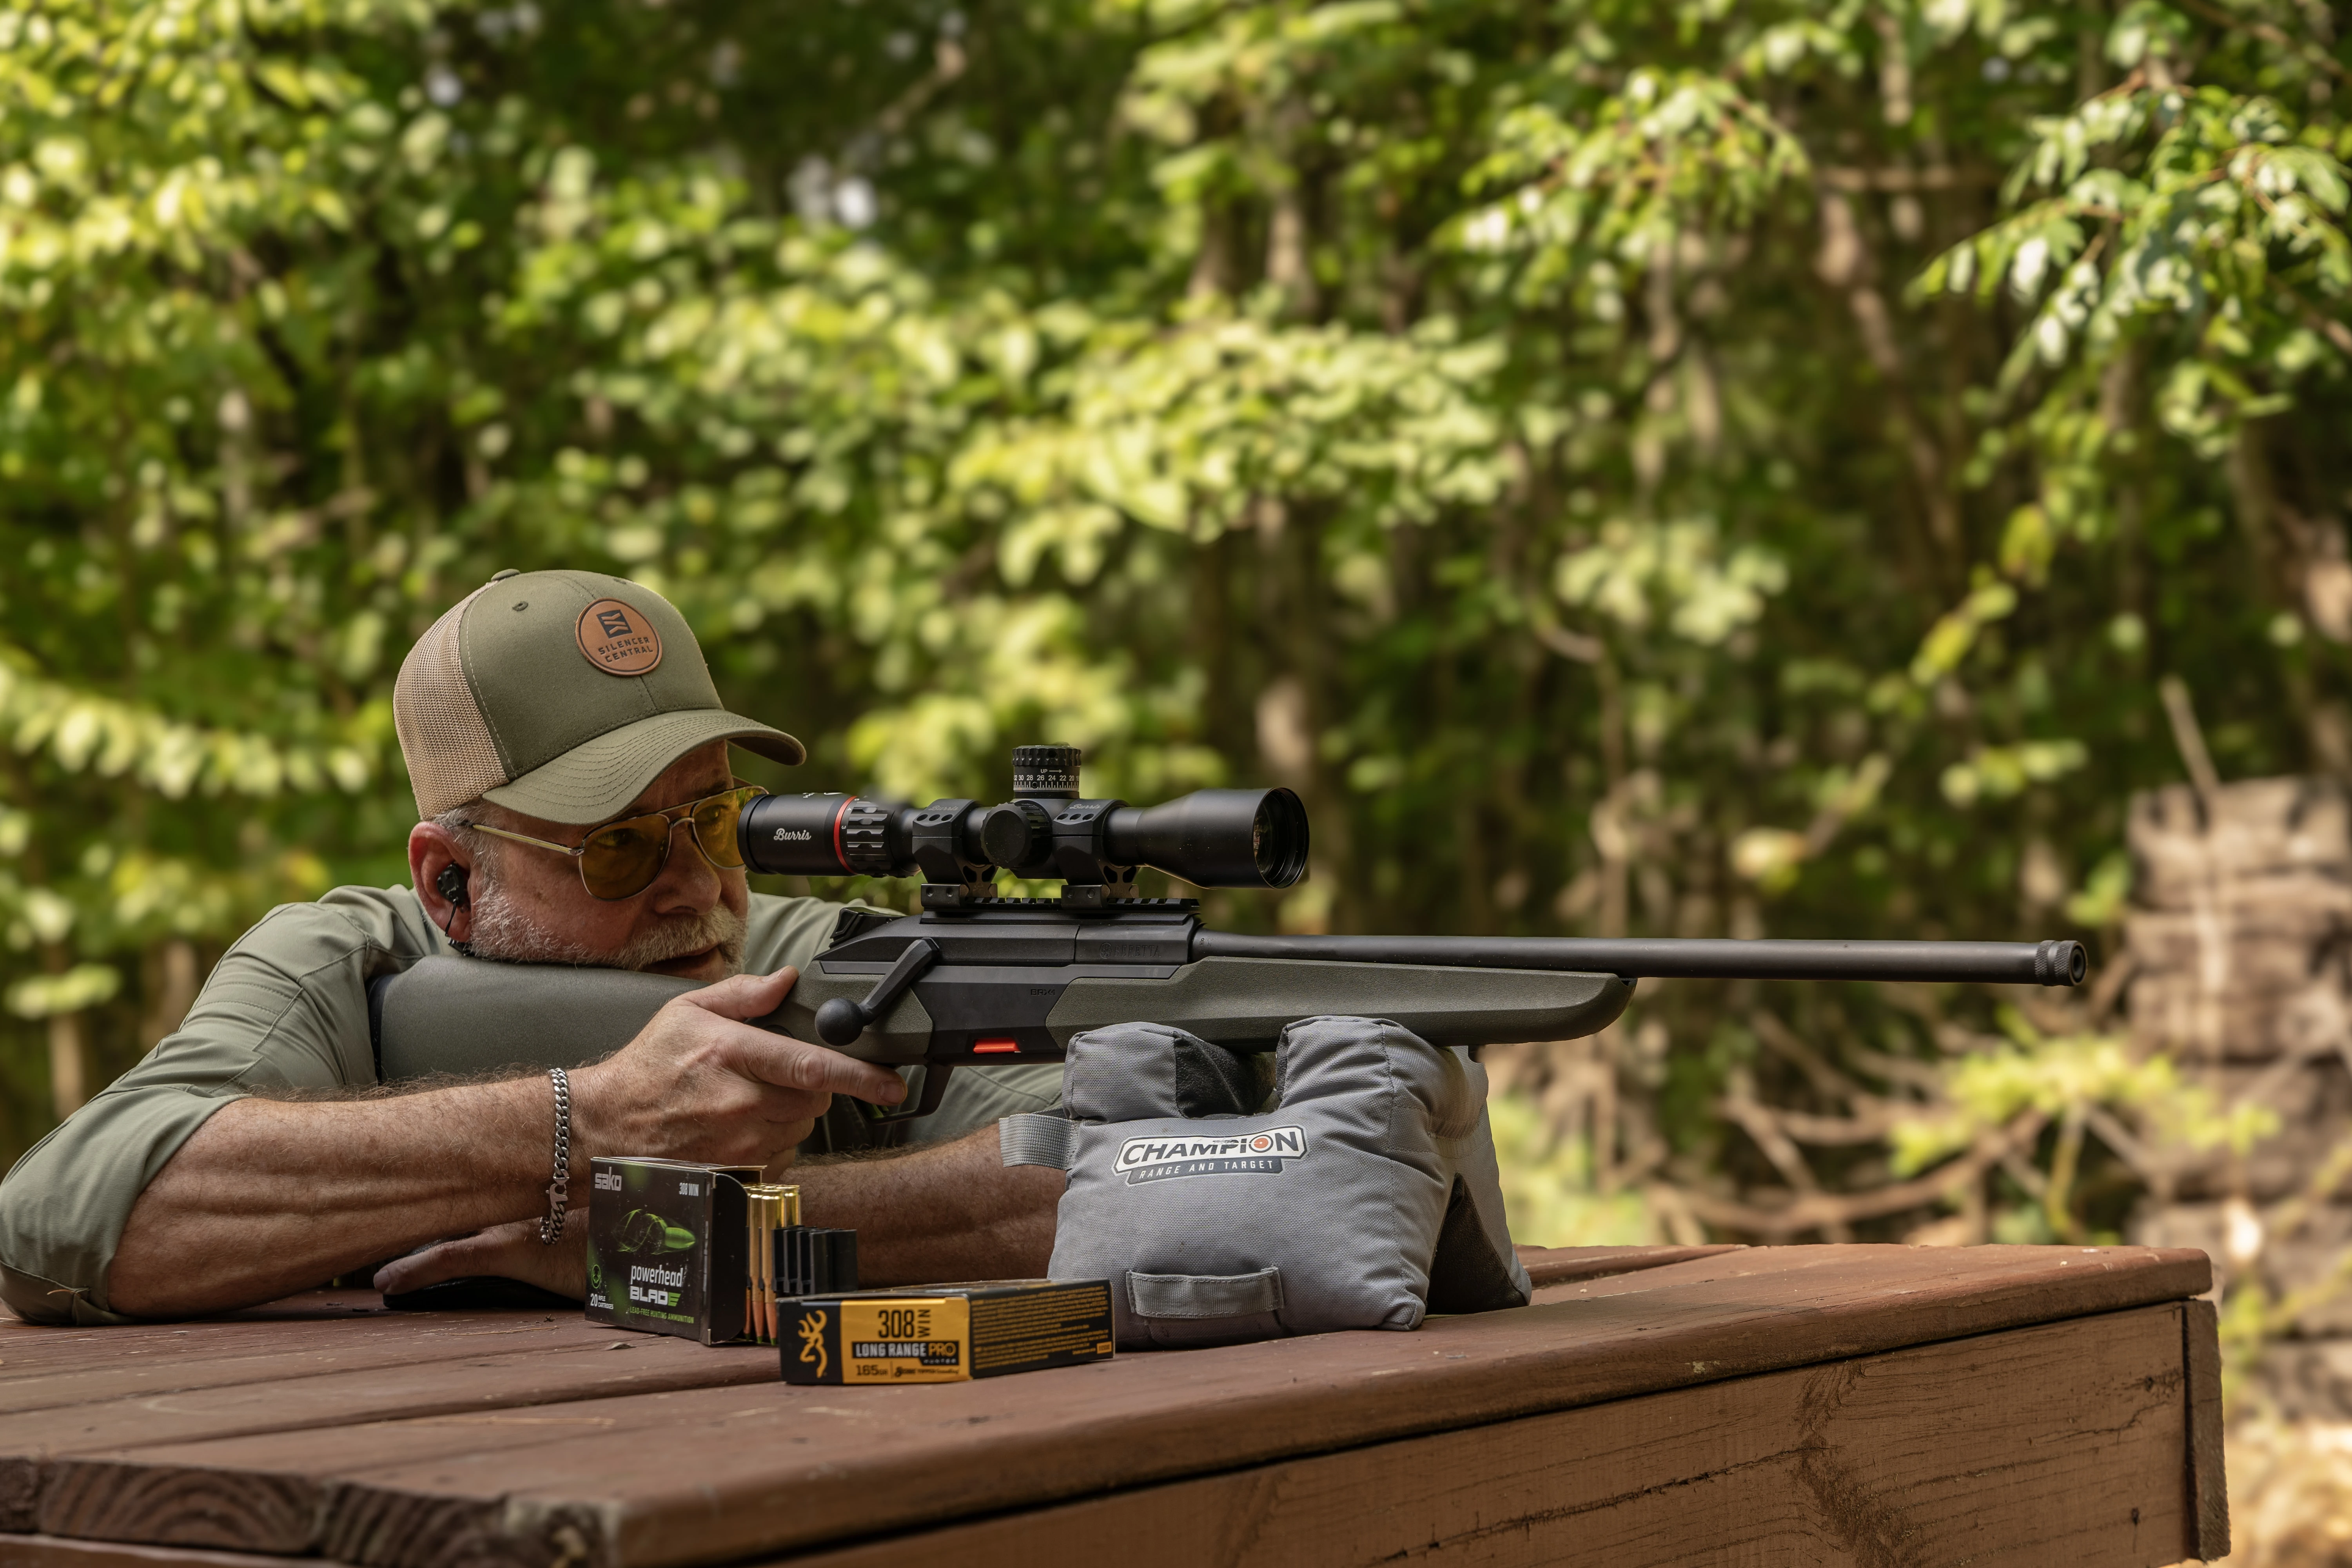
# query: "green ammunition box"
{"points": [[945, 1333], [666, 1247]]}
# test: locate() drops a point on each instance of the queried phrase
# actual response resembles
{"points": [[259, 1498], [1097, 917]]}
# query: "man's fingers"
{"points": [[791, 1133], [796, 1064], [511, 1251], [744, 996], [449, 1260]]}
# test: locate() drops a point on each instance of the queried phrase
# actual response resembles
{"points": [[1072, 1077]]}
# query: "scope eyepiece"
{"points": [[816, 835], [1210, 839]]}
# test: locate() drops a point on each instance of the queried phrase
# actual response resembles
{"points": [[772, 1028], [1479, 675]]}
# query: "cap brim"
{"points": [[597, 781]]}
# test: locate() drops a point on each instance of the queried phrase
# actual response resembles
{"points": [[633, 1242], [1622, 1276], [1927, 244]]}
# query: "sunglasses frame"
{"points": [[676, 815]]}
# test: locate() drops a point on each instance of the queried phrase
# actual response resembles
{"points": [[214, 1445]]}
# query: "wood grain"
{"points": [[36, 1346], [467, 1365], [255, 1393], [328, 1361], [335, 1358], [2058, 1443], [42, 1401], [2209, 1487], [20, 1494], [711, 1475], [353, 1327], [1564, 1265], [54, 1552]]}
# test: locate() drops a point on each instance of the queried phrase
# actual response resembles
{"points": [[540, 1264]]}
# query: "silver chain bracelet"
{"points": [[559, 1191]]}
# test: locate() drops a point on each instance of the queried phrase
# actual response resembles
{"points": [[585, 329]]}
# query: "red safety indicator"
{"points": [[995, 1047]]}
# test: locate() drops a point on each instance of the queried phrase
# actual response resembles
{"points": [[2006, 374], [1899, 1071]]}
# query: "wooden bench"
{"points": [[1872, 1405]]}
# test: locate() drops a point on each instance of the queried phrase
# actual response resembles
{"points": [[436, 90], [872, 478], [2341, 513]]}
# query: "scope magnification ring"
{"points": [[863, 829]]}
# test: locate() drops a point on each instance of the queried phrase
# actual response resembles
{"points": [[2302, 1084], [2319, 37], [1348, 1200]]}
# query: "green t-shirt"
{"points": [[286, 1009]]}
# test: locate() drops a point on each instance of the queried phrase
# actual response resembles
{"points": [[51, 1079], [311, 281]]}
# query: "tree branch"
{"points": [[1808, 1211], [2264, 31]]}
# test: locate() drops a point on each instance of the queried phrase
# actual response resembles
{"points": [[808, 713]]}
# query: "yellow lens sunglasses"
{"points": [[620, 859]]}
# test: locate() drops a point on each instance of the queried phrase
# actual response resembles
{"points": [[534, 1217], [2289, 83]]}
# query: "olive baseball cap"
{"points": [[560, 695]]}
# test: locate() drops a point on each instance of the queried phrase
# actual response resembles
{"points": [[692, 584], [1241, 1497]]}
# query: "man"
{"points": [[560, 728]]}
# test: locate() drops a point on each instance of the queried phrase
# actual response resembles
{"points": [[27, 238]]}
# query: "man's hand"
{"points": [[508, 1251], [699, 1083]]}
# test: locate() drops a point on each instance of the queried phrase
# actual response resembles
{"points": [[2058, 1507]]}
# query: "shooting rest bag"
{"points": [[1366, 1197]]}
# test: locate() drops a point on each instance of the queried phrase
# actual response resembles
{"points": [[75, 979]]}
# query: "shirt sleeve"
{"points": [[981, 1096], [286, 1008], [782, 931]]}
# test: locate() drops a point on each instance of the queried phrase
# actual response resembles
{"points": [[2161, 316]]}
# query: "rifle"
{"points": [[975, 980]]}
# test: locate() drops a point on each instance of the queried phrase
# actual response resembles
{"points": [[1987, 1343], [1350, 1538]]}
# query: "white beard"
{"points": [[503, 929]]}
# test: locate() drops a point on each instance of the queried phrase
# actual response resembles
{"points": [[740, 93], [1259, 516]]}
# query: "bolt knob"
{"points": [[840, 1021]]}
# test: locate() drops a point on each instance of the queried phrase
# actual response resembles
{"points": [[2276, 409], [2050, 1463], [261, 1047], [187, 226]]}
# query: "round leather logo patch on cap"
{"points": [[617, 638]]}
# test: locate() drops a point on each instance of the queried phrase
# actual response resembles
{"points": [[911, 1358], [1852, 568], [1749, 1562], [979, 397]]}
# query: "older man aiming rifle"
{"points": [[569, 756]]}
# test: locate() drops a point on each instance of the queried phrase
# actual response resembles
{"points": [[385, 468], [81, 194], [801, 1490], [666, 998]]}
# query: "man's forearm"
{"points": [[271, 1196], [953, 1212]]}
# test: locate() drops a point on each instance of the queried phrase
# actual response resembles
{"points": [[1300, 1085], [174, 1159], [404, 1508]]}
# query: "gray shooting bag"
{"points": [[1366, 1197]]}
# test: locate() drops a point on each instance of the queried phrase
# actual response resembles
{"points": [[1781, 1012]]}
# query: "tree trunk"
{"points": [[69, 1065]]}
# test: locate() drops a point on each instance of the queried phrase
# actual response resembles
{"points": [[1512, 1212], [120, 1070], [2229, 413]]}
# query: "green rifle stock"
{"points": [[1010, 981]]}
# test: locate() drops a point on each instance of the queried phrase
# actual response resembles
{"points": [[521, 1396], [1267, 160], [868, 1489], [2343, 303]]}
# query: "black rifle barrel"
{"points": [[1684, 958]]}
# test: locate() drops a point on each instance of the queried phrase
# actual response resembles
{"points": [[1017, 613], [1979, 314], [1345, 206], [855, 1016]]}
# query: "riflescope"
{"points": [[1210, 839]]}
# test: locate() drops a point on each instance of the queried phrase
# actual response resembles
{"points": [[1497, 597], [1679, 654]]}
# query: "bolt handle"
{"points": [[841, 1020]]}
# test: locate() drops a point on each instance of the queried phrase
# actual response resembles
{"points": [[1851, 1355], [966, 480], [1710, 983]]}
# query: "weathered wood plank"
{"points": [[1564, 1265], [334, 1358], [2208, 1489], [711, 1475], [32, 1401], [311, 1317], [94, 1389], [2058, 1444], [54, 1552], [270, 1513], [436, 1376], [350, 1324], [318, 1360], [257, 1394]]}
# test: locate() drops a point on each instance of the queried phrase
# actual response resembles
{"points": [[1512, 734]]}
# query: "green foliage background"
{"points": [[1681, 467]]}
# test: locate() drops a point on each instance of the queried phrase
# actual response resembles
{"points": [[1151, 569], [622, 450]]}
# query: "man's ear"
{"points": [[441, 871]]}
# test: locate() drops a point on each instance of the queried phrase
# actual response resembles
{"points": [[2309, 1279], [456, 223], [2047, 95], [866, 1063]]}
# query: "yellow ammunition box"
{"points": [[946, 1334]]}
